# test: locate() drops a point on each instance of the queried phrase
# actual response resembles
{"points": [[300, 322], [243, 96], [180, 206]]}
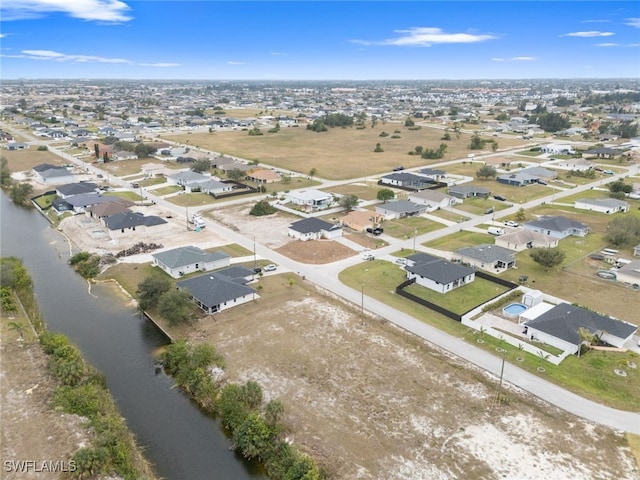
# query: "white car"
{"points": [[270, 268], [511, 223], [401, 261]]}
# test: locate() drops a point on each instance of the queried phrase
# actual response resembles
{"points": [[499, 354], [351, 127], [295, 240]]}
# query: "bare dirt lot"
{"points": [[370, 402], [31, 428]]}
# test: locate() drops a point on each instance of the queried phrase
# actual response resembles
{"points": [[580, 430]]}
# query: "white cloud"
{"points": [[425, 37], [278, 54], [595, 21], [513, 59], [589, 34], [633, 22], [111, 11], [607, 44], [231, 62], [51, 55]]}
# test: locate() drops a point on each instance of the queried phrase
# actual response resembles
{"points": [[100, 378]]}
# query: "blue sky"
{"points": [[305, 40]]}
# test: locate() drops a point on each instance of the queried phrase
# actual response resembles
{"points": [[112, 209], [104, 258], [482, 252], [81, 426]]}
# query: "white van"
{"points": [[496, 231]]}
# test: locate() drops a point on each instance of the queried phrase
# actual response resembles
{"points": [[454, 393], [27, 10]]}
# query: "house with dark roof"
{"points": [[81, 202], [64, 191], [560, 327], [436, 273], [487, 257], [400, 209], [466, 191], [120, 223], [557, 226], [602, 205], [406, 181], [52, 174], [314, 229], [214, 293], [184, 260], [518, 179], [106, 209]]}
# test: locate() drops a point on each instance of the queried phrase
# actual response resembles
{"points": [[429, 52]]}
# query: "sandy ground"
{"points": [[32, 430], [370, 402]]}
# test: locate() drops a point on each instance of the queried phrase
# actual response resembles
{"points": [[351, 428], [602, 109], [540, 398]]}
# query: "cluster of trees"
{"points": [[434, 153], [551, 122], [547, 257], [385, 194], [255, 427], [263, 207], [331, 120], [619, 189], [19, 192], [255, 131], [158, 292], [83, 392], [477, 143], [623, 230], [486, 171], [86, 264], [348, 201]]}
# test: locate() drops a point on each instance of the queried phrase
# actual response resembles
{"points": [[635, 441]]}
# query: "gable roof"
{"points": [[107, 209], [487, 253], [401, 206], [431, 195], [463, 189], [557, 223], [564, 320], [132, 219], [311, 225], [604, 202], [214, 289], [76, 188], [436, 269], [183, 256]]}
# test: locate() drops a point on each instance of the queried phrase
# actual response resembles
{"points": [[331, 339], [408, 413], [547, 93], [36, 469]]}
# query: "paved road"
{"points": [[326, 276]]}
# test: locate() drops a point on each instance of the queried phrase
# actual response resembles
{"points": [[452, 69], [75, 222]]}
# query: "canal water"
{"points": [[181, 442]]}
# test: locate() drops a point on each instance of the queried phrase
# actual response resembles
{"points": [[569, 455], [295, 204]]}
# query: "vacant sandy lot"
{"points": [[370, 402]]}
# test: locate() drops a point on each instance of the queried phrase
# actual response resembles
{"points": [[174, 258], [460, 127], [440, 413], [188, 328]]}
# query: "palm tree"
{"points": [[586, 337], [18, 327]]}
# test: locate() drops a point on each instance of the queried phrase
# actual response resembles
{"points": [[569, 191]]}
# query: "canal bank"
{"points": [[179, 440]]}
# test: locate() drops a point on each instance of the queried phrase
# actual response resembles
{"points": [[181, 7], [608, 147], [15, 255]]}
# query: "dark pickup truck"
{"points": [[375, 231]]}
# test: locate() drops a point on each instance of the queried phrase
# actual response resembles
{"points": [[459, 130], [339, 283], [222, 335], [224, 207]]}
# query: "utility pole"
{"points": [[362, 304], [415, 234]]}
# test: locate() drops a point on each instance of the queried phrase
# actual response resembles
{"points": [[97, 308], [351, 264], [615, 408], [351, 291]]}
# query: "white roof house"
{"points": [[602, 205], [310, 199]]}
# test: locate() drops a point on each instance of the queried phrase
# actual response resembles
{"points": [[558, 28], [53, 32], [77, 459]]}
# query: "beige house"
{"points": [[361, 220], [523, 239], [262, 175]]}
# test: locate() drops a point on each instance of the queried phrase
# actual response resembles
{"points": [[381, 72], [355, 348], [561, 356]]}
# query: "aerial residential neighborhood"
{"points": [[514, 239]]}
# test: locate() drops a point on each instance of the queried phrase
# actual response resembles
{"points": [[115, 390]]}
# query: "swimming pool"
{"points": [[513, 310]]}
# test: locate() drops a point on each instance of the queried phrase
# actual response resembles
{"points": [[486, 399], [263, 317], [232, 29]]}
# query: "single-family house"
{"points": [[400, 209], [557, 226], [491, 258], [629, 273], [215, 293], [406, 181], [522, 239], [314, 229], [557, 149], [81, 202], [184, 260], [433, 199], [263, 175], [518, 179], [17, 146], [467, 191], [106, 209], [433, 174], [603, 152], [309, 199], [602, 205], [120, 223], [577, 164], [124, 155], [360, 220], [152, 170], [64, 191], [52, 174], [560, 327], [436, 273], [540, 173]]}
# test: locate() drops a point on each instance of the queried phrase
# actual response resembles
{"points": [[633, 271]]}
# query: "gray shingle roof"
{"points": [[213, 289], [132, 219], [487, 253], [77, 188], [183, 256], [401, 206], [564, 320], [557, 223], [311, 225], [437, 269]]}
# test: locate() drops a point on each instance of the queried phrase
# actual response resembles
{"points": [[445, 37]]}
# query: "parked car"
{"points": [[398, 168], [401, 261], [257, 270], [368, 256], [375, 231], [488, 211], [270, 268], [608, 172], [496, 231], [511, 223], [499, 197]]}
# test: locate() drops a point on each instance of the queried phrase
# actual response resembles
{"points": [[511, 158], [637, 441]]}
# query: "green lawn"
{"points": [[478, 205], [449, 215], [45, 201], [363, 191], [133, 196], [591, 376], [168, 190], [459, 239], [408, 227]]}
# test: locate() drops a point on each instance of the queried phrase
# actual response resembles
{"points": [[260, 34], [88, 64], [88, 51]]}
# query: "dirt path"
{"points": [[371, 402]]}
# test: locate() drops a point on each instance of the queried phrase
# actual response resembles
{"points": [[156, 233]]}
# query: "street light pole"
{"points": [[362, 304]]}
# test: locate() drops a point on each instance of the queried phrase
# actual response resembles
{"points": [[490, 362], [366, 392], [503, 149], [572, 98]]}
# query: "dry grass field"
{"points": [[339, 153]]}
